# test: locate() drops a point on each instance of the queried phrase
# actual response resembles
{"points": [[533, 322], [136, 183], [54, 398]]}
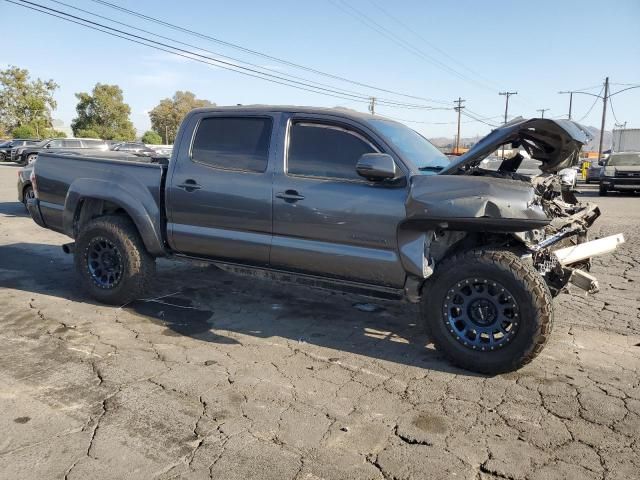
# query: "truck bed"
{"points": [[64, 180]]}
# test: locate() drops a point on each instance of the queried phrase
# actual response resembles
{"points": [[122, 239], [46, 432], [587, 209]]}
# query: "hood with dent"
{"points": [[555, 143], [481, 198]]}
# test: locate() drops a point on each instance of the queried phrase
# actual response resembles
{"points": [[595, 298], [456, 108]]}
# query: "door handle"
{"points": [[290, 196], [189, 185]]}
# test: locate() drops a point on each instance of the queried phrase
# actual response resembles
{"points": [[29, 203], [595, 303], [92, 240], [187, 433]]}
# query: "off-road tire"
{"points": [[138, 267], [602, 191], [26, 194], [525, 284]]}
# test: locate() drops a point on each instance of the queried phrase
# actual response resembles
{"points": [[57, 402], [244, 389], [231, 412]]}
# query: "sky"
{"points": [[437, 51]]}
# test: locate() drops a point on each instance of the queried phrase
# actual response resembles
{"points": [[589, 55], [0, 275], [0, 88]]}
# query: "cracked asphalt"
{"points": [[218, 376]]}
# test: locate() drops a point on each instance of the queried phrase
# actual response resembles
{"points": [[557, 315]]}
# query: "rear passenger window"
{"points": [[325, 151], [233, 143], [71, 143]]}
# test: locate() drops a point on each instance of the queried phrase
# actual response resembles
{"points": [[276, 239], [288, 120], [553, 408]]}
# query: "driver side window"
{"points": [[326, 151]]}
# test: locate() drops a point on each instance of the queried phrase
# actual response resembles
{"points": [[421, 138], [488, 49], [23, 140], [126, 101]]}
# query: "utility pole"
{"points": [[459, 110], [604, 115], [506, 109], [166, 134], [506, 106], [542, 110], [372, 105], [570, 100]]}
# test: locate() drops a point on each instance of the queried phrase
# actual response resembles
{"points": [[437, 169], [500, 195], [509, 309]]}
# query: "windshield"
{"points": [[624, 160], [413, 147]]}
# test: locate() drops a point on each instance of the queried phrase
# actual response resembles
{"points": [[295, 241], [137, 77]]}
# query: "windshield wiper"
{"points": [[430, 168]]}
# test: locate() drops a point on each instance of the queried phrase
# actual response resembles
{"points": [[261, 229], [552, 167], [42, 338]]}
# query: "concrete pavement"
{"points": [[218, 376]]}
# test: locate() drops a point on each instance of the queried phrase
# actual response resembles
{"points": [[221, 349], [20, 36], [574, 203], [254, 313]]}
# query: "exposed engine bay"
{"points": [[537, 215]]}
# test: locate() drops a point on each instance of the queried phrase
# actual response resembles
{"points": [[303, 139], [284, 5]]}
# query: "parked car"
{"points": [[593, 172], [27, 154], [137, 148], [621, 172], [342, 199], [5, 147]]}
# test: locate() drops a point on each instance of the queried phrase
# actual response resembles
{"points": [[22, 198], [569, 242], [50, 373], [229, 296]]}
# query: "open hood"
{"points": [[555, 143]]}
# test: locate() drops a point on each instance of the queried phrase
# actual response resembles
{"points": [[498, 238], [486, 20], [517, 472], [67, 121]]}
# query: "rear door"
{"points": [[328, 220], [219, 196]]}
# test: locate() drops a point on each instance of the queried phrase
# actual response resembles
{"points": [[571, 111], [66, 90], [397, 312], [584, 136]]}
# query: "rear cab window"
{"points": [[325, 151], [233, 143]]}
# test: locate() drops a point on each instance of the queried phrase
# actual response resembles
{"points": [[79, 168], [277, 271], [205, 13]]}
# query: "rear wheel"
{"points": [[112, 261], [487, 310], [27, 194], [3, 157]]}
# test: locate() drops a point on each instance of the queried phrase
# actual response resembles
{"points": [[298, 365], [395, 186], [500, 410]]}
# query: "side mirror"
{"points": [[48, 145], [601, 163], [376, 167]]}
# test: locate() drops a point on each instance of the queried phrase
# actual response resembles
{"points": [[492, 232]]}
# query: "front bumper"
{"points": [[33, 205]]}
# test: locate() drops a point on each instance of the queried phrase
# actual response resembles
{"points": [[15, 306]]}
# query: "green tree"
{"points": [[86, 133], [169, 113], [152, 138], [104, 114], [53, 133], [23, 131], [25, 102]]}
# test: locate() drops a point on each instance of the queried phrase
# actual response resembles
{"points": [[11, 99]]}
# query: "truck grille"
{"points": [[628, 174], [13, 154]]}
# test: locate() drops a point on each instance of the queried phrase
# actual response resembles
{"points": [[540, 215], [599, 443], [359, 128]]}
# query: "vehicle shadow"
{"points": [[13, 209], [210, 305]]}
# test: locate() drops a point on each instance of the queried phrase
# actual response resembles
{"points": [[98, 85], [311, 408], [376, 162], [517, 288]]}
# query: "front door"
{"points": [[219, 200], [327, 219]]}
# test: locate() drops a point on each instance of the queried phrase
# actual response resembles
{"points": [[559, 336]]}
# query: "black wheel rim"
{"points": [[104, 262], [481, 314]]}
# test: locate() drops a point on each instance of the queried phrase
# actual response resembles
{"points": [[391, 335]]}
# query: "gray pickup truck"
{"points": [[342, 199]]}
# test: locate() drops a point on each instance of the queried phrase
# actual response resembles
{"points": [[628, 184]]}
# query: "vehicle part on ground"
{"points": [[487, 310]]}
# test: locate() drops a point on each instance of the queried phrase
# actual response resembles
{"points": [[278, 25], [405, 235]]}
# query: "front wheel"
{"points": [[487, 310], [602, 191], [3, 157], [112, 261]]}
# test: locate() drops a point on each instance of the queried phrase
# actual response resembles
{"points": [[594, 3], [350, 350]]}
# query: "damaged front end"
{"points": [[561, 251], [539, 216]]}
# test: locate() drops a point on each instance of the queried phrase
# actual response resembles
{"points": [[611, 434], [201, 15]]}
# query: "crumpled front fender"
{"points": [[474, 203]]}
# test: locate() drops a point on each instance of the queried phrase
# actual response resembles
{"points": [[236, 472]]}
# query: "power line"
{"points": [[203, 58], [592, 105], [209, 51], [381, 29], [258, 53], [612, 111], [467, 114], [439, 123], [418, 35]]}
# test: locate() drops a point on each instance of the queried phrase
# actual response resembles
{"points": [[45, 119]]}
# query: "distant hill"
{"points": [[447, 142], [593, 144]]}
